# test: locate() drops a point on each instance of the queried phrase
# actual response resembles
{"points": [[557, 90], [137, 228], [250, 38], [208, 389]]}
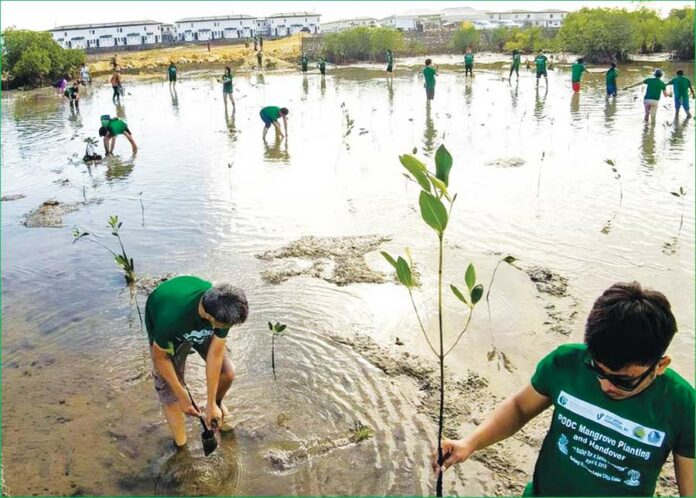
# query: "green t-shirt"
{"points": [[469, 59], [304, 61], [516, 60], [540, 62], [322, 65], [171, 314], [598, 446], [172, 71], [655, 87], [227, 83], [71, 90], [271, 112], [681, 86], [576, 72], [116, 126], [390, 58], [429, 75], [611, 76]]}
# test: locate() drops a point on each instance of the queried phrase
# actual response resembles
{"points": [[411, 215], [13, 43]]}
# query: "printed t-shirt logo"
{"points": [[639, 432]]}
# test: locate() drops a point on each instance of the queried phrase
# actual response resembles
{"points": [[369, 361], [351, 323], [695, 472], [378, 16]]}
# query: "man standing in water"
{"points": [[576, 70], [681, 85], [618, 410], [515, 64], [390, 63], [171, 73], [540, 63], [611, 80], [468, 63], [322, 66], [187, 313], [304, 61], [110, 129], [429, 73], [227, 88], [655, 87], [270, 115]]}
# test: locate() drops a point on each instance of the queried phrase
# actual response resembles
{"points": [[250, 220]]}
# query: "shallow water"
{"points": [[529, 168]]}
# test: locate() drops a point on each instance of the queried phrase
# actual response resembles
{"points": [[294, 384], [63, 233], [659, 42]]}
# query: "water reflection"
{"points": [[117, 169], [647, 144], [230, 122], [514, 92], [390, 94], [121, 111], [305, 86], [676, 138], [175, 99], [540, 103], [429, 133], [278, 151], [260, 78], [468, 92], [575, 107], [609, 112], [322, 85]]}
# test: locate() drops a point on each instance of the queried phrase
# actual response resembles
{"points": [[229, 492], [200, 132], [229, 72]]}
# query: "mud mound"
{"points": [[50, 213]]}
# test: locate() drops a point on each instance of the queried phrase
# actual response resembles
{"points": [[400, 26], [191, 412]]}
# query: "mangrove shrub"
{"points": [[678, 32], [465, 37], [361, 44]]}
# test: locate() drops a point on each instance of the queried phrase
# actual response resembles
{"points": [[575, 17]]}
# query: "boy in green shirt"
{"points": [[540, 63], [227, 88], [322, 66], [171, 73], [576, 69], [109, 129], [611, 80], [655, 87], [187, 313], [270, 116], [73, 94], [468, 63], [681, 85], [304, 61], [515, 64], [429, 73], [390, 63], [618, 410]]}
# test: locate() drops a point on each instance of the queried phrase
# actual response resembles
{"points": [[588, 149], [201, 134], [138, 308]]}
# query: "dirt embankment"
{"points": [[281, 53]]}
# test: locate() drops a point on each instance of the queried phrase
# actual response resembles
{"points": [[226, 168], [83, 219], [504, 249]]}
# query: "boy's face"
{"points": [[640, 376]]}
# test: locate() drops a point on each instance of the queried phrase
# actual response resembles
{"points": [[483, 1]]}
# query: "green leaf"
{"points": [[676, 194], [470, 276], [509, 259], [270, 326], [389, 258], [443, 164], [415, 150], [403, 272], [417, 170], [439, 184], [433, 211], [282, 327], [610, 162], [476, 294], [459, 295]]}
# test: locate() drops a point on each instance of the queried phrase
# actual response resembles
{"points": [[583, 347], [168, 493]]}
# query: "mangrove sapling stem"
{"points": [[461, 334], [142, 210], [438, 487], [410, 293]]}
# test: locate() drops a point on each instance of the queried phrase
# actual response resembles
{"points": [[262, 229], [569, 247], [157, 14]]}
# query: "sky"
{"points": [[42, 15]]}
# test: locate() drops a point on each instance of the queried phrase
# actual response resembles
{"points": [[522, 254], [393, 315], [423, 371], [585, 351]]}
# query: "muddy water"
{"points": [[79, 410]]}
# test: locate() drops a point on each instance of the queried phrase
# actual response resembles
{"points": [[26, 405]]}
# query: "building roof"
{"points": [[522, 11], [294, 14], [68, 27], [353, 19], [215, 18]]}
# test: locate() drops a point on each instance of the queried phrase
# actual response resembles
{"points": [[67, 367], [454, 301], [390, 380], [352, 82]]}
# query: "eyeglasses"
{"points": [[622, 382]]}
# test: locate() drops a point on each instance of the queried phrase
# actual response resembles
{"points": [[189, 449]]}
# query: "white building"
{"points": [[548, 18], [404, 23], [215, 28], [169, 33], [289, 23], [414, 22], [129, 33], [343, 24]]}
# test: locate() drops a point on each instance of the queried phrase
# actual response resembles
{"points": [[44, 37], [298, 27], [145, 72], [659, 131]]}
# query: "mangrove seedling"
{"points": [[495, 353], [681, 194], [617, 176], [122, 260], [277, 330], [432, 200], [360, 432]]}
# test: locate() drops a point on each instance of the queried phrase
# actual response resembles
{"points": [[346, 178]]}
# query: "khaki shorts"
{"points": [[164, 392], [651, 106]]}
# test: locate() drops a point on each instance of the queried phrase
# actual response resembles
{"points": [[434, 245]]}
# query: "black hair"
{"points": [[284, 111], [227, 69], [102, 131], [658, 73], [226, 304], [680, 72], [629, 325], [613, 64], [428, 62], [581, 60]]}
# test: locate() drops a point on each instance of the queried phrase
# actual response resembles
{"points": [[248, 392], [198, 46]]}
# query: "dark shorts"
{"points": [[390, 68], [266, 120], [681, 101], [430, 92], [164, 392], [542, 73], [611, 89], [468, 66], [172, 77]]}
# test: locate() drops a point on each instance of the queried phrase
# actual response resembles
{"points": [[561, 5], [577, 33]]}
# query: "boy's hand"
{"points": [[453, 451]]}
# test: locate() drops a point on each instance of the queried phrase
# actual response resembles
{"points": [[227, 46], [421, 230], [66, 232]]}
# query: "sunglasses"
{"points": [[624, 383]]}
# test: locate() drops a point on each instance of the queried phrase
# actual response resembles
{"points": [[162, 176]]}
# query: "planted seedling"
{"points": [[277, 330], [541, 165], [681, 194], [436, 207], [350, 123], [495, 353], [90, 152], [142, 210], [607, 227], [360, 432]]}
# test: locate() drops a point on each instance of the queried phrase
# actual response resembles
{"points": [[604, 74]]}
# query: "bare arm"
{"points": [[285, 124], [684, 471], [508, 418], [213, 366]]}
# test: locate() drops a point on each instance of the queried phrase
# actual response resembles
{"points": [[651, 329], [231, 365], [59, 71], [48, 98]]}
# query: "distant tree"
{"points": [[599, 34], [34, 58], [465, 37], [678, 32], [647, 30], [361, 43], [529, 40]]}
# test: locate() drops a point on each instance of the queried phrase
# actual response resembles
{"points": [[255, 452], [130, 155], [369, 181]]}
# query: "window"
{"points": [[551, 16], [529, 16], [144, 28], [66, 33], [192, 25]]}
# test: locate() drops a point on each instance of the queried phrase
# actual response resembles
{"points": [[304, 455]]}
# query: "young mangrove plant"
{"points": [[617, 176], [122, 260], [681, 194], [277, 330], [495, 353], [432, 199]]}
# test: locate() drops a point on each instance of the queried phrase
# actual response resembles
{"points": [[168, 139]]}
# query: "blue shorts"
{"points": [[682, 101], [611, 90], [266, 120]]}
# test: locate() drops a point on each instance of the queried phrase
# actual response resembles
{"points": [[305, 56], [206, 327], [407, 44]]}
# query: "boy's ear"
{"points": [[662, 365]]}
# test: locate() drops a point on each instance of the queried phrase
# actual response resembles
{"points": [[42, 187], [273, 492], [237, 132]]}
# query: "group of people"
{"points": [[655, 87], [304, 64]]}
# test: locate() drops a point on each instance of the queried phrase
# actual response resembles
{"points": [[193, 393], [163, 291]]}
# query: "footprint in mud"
{"points": [[189, 474], [506, 162]]}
